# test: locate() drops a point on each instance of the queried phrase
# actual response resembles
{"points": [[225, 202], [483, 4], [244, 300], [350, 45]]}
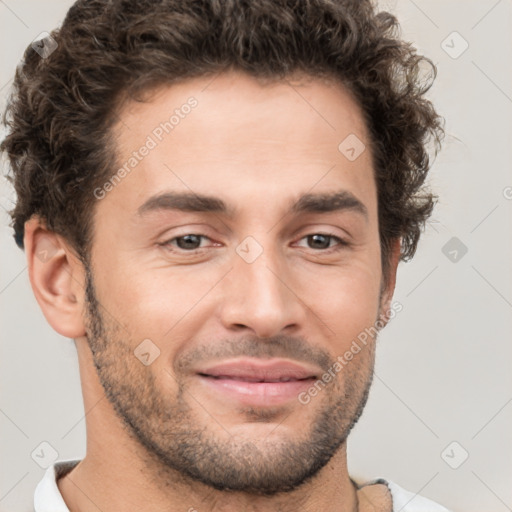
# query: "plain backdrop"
{"points": [[439, 417]]}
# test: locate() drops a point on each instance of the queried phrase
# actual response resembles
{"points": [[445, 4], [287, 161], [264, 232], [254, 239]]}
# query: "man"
{"points": [[213, 198]]}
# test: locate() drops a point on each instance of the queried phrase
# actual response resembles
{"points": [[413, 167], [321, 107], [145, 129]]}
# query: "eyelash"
{"points": [[341, 244]]}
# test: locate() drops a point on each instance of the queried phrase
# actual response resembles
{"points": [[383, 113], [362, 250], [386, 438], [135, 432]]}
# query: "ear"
{"points": [[390, 281], [57, 278]]}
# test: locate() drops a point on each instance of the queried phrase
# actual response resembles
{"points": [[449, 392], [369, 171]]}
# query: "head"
{"points": [[216, 186]]}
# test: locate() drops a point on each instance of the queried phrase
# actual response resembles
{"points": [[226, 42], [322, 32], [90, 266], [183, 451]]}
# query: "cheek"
{"points": [[158, 303], [347, 302]]}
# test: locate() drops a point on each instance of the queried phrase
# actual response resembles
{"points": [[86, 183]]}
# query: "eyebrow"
{"points": [[329, 202], [307, 203]]}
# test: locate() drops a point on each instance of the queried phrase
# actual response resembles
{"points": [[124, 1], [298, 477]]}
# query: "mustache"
{"points": [[294, 348]]}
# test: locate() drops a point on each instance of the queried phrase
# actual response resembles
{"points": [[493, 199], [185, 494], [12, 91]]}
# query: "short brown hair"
{"points": [[60, 146]]}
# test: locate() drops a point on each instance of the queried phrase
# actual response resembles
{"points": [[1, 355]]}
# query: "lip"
{"points": [[258, 382]]}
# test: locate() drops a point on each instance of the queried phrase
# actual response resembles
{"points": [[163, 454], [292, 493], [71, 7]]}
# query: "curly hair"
{"points": [[62, 107]]}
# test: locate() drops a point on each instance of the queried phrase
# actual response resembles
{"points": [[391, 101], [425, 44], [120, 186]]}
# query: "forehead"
{"points": [[241, 138]]}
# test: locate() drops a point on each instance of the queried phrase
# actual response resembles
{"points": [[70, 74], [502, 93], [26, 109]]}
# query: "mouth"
{"points": [[258, 382]]}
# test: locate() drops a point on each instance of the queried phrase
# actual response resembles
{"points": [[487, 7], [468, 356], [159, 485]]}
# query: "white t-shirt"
{"points": [[47, 497]]}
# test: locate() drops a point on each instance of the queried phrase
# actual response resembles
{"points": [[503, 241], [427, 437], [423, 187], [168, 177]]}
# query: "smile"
{"points": [[258, 382]]}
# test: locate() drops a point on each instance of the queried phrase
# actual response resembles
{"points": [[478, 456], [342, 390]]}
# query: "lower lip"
{"points": [[258, 393]]}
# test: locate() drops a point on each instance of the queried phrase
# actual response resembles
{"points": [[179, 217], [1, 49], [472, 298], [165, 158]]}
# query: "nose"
{"points": [[259, 297]]}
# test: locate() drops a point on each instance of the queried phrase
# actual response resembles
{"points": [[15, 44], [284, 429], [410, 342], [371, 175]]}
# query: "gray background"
{"points": [[443, 370]]}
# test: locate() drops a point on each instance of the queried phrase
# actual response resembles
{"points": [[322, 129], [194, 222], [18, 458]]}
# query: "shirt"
{"points": [[47, 497]]}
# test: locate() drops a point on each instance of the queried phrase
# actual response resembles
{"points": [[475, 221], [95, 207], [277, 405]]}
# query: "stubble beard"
{"points": [[177, 445]]}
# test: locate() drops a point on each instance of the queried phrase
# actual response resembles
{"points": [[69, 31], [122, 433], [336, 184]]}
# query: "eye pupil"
{"points": [[188, 241], [319, 241]]}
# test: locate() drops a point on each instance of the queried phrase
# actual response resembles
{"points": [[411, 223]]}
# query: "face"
{"points": [[232, 265]]}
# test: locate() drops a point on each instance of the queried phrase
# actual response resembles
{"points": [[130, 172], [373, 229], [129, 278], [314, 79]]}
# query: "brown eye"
{"points": [[323, 241], [187, 242], [319, 241]]}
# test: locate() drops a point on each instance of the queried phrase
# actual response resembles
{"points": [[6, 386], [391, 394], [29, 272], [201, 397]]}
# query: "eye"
{"points": [[188, 242], [319, 241]]}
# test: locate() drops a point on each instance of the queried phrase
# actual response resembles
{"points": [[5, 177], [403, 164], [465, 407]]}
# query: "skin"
{"points": [[258, 148]]}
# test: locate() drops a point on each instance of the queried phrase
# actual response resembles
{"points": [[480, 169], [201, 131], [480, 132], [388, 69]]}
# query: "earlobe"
{"points": [[57, 278]]}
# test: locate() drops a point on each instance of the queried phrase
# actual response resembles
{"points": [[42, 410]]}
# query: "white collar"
{"points": [[47, 497]]}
